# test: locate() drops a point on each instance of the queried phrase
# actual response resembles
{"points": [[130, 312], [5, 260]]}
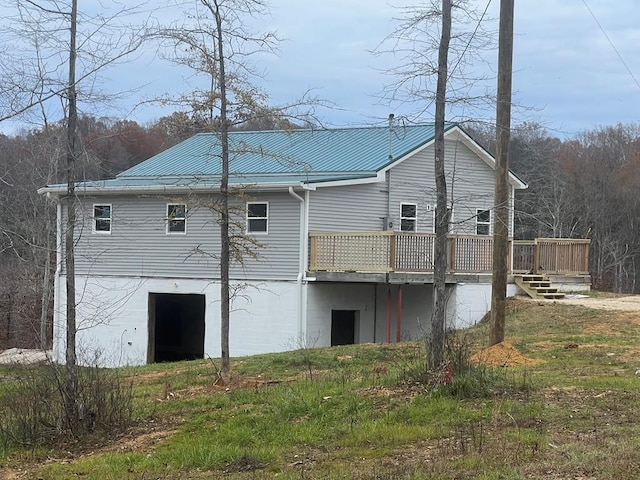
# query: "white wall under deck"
{"points": [[113, 317]]}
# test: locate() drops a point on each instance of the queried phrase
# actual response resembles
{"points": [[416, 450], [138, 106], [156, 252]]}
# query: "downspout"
{"points": [[56, 276], [305, 263], [511, 230], [301, 269]]}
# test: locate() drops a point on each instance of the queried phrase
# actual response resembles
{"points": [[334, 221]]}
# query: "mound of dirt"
{"points": [[502, 355]]}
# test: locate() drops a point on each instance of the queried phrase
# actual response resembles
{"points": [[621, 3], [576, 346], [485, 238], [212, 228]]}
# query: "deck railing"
{"points": [[558, 256], [350, 252], [387, 251]]}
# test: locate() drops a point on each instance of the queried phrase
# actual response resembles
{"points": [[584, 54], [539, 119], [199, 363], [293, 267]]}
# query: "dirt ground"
{"points": [[501, 355]]}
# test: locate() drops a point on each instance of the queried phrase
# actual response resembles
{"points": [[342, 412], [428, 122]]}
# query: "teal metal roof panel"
{"points": [[345, 150]]}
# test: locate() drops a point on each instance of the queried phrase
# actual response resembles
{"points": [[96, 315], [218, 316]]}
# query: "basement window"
{"points": [[176, 218], [257, 217], [102, 219]]}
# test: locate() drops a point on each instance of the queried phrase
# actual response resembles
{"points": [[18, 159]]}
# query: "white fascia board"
{"points": [[379, 177], [163, 189]]}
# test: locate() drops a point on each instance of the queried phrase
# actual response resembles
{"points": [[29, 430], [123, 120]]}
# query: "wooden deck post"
{"points": [[392, 253], [452, 254], [313, 253]]}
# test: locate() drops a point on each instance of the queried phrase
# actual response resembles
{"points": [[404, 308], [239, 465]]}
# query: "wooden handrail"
{"points": [[387, 251]]}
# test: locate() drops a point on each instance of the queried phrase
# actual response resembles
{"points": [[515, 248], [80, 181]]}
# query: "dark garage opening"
{"points": [[343, 327], [176, 327]]}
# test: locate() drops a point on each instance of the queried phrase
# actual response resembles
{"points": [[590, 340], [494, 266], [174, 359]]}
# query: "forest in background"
{"points": [[580, 187]]}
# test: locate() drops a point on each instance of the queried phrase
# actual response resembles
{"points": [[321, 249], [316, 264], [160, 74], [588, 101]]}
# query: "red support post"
{"points": [[389, 316], [399, 315]]}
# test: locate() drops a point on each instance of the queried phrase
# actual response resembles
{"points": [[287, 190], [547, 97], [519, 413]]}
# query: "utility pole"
{"points": [[501, 202]]}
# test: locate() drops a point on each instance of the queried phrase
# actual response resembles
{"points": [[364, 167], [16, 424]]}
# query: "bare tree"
{"points": [[600, 169], [71, 360], [413, 45], [41, 81], [33, 80], [415, 42], [220, 44], [436, 350]]}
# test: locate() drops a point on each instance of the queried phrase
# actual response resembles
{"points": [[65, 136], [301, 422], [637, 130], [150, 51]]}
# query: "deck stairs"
{"points": [[538, 286]]}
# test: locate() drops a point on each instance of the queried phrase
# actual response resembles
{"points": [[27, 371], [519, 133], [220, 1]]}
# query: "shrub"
{"points": [[33, 412]]}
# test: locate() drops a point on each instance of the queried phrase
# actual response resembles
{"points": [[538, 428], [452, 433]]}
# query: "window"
{"points": [[176, 218], [102, 219], [408, 217], [257, 217], [483, 222]]}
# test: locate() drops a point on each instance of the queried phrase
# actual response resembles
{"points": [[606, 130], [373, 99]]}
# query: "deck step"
{"points": [[532, 277], [545, 289], [553, 296], [538, 286]]}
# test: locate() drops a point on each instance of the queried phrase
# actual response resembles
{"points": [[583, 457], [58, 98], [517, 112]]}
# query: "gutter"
{"points": [[57, 192], [302, 247]]}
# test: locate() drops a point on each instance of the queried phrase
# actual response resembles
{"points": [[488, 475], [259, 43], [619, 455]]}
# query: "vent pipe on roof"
{"points": [[390, 136]]}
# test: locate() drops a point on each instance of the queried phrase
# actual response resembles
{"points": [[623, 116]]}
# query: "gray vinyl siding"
{"points": [[349, 208], [139, 245], [470, 184]]}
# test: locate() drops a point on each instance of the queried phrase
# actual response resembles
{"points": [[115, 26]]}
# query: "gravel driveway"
{"points": [[629, 303]]}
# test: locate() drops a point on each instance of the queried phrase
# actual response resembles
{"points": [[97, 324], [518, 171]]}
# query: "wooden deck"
{"points": [[386, 251]]}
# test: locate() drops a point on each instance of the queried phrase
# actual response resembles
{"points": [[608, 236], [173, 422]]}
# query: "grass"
{"points": [[357, 412]]}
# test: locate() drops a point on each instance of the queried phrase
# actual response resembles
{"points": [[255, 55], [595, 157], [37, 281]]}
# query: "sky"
{"points": [[576, 64]]}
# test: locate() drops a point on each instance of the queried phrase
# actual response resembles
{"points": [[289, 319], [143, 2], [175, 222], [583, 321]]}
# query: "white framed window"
{"points": [[483, 222], [176, 218], [102, 218], [258, 217], [408, 217]]}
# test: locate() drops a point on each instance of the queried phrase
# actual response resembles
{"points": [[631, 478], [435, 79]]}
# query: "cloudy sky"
{"points": [[576, 63]]}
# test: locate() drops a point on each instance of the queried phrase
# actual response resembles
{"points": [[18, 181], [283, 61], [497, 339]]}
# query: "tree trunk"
{"points": [[436, 350], [71, 383], [224, 205], [501, 209]]}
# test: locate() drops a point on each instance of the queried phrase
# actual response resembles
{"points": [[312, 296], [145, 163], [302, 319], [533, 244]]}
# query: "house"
{"points": [[341, 220]]}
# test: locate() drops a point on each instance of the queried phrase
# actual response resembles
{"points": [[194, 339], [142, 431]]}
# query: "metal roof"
{"points": [[277, 159], [336, 151]]}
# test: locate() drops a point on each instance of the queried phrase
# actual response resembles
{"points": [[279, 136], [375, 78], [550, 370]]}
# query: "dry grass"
{"points": [[568, 411]]}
